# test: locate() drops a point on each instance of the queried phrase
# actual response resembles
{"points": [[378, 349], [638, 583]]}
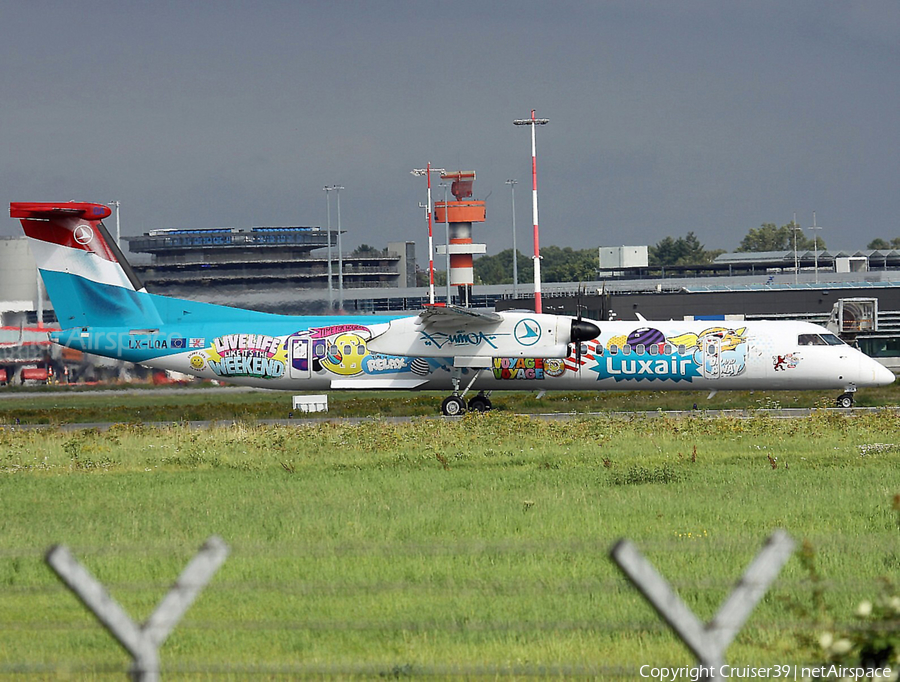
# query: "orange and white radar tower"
{"points": [[460, 215]]}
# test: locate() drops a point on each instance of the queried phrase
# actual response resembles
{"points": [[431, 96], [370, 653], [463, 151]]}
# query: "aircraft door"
{"points": [[300, 360], [711, 352]]}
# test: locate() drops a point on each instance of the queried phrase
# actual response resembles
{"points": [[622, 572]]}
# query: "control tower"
{"points": [[460, 215]]}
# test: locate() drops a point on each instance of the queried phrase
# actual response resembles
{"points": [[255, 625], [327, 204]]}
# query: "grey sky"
{"points": [[665, 117]]}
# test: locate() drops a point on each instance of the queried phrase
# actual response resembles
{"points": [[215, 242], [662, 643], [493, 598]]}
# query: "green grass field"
{"points": [[62, 405], [474, 548]]}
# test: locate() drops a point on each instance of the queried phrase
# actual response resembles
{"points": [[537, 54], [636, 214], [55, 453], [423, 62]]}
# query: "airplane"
{"points": [[103, 309]]}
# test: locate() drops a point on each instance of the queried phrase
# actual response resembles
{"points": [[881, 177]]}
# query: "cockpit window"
{"points": [[810, 340], [819, 340]]}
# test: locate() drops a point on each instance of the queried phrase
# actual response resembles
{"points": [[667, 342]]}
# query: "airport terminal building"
{"points": [[234, 265]]}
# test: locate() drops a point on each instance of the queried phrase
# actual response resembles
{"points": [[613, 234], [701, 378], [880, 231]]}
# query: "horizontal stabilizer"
{"points": [[37, 210]]}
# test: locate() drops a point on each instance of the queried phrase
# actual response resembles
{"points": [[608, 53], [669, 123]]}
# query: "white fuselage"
{"points": [[640, 355]]}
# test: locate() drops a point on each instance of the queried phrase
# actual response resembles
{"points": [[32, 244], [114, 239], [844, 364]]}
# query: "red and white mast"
{"points": [[427, 171], [533, 122]]}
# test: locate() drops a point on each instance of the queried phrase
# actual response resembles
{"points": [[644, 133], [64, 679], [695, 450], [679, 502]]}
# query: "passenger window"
{"points": [[640, 349], [613, 350], [682, 349], [667, 349], [626, 349], [654, 349]]}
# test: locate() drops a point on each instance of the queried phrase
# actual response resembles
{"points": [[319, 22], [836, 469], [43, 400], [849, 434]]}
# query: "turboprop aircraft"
{"points": [[103, 309]]}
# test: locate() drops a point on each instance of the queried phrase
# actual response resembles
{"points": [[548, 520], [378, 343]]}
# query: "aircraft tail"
{"points": [[86, 274]]}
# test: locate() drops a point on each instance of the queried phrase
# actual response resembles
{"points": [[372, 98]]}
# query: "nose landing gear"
{"points": [[845, 400]]}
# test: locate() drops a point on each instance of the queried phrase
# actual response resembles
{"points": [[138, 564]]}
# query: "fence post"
{"points": [[708, 643], [142, 642]]}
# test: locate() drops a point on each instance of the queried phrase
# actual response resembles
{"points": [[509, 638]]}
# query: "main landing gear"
{"points": [[456, 404]]}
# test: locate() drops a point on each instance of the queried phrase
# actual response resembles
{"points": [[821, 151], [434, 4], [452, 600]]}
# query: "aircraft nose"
{"points": [[882, 375], [582, 330]]}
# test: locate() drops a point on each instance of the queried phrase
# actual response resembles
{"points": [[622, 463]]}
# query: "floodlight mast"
{"points": [[328, 239], [328, 189], [815, 228], [512, 188], [118, 228], [427, 171], [533, 122]]}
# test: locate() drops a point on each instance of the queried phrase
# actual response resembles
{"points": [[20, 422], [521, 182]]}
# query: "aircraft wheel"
{"points": [[846, 400], [453, 405], [480, 403]]}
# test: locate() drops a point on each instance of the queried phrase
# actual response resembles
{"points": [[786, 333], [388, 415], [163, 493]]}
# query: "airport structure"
{"points": [[278, 260], [459, 216]]}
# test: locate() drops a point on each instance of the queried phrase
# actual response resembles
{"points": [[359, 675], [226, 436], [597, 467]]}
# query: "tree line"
{"points": [[580, 265]]}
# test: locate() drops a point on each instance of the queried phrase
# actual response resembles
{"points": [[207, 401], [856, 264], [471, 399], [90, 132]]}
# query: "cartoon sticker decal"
{"points": [[647, 353], [554, 367], [785, 362], [342, 350], [518, 368], [345, 354], [246, 355]]}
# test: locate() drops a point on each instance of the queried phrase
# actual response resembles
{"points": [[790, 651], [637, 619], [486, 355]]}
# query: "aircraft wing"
{"points": [[452, 332], [451, 316]]}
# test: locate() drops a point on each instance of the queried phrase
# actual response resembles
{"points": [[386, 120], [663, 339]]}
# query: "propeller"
{"points": [[581, 330]]}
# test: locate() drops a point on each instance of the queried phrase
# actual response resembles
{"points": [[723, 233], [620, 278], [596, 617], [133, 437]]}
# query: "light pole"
{"points": [[447, 237], [534, 122], [338, 189], [794, 228], [814, 229], [335, 188], [328, 230], [427, 171], [118, 228], [512, 191]]}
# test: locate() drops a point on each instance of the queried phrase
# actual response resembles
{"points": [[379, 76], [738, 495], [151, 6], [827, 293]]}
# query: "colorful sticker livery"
{"points": [[648, 354], [345, 354], [518, 368], [246, 355]]}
